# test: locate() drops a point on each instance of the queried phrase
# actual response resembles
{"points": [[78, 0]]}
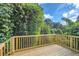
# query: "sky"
{"points": [[56, 11]]}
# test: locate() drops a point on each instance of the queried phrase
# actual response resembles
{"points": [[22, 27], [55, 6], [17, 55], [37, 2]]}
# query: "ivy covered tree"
{"points": [[5, 22], [20, 19], [27, 19]]}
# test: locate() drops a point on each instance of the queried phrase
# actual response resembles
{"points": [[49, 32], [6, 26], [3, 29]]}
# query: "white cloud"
{"points": [[41, 3], [73, 19], [72, 14], [76, 5], [72, 11], [63, 23], [48, 16], [65, 15]]}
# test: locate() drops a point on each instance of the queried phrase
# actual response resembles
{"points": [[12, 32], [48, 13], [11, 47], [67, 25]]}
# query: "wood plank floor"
{"points": [[51, 50]]}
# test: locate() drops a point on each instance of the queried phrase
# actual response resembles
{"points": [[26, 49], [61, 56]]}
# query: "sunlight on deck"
{"points": [[51, 50]]}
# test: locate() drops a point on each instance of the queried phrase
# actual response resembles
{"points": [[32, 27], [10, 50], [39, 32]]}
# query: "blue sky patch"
{"points": [[55, 11]]}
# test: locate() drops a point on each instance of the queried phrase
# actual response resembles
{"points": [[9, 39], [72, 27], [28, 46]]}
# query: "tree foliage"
{"points": [[27, 19], [72, 28], [5, 22], [20, 19]]}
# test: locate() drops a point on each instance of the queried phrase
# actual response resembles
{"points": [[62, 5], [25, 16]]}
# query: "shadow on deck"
{"points": [[50, 50]]}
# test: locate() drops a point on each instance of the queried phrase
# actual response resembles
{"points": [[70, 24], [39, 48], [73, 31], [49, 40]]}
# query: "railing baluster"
{"points": [[21, 43], [29, 41], [71, 42], [17, 43], [41, 40], [8, 47], [76, 44], [68, 40], [38, 40], [25, 42], [3, 52], [0, 52], [4, 49], [12, 45]]}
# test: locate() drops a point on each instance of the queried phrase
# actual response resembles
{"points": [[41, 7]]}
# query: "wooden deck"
{"points": [[51, 50], [20, 43]]}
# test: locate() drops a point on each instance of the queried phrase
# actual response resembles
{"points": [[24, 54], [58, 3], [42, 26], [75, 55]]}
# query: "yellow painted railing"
{"points": [[18, 43]]}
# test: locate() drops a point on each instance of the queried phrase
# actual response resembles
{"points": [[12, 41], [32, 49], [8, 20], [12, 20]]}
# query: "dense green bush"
{"points": [[21, 19], [5, 22], [27, 19]]}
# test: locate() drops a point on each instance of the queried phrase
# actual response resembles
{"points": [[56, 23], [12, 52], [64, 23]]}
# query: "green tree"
{"points": [[27, 18], [72, 28], [19, 19], [45, 29], [49, 22], [68, 21], [5, 22]]}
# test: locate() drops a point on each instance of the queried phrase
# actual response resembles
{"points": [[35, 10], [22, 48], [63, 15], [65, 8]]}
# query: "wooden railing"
{"points": [[18, 43]]}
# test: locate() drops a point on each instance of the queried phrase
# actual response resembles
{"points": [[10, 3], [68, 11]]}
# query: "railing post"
{"points": [[52, 37], [55, 39], [68, 41], [59, 39], [65, 40], [71, 42], [12, 45], [1, 52], [2, 49], [49, 41], [76, 44], [7, 48], [16, 43]]}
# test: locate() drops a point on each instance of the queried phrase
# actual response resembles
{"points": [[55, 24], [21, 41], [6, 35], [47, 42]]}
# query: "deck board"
{"points": [[51, 50]]}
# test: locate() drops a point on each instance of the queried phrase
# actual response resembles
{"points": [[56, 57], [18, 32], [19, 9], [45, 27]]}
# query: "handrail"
{"points": [[18, 43], [45, 35]]}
